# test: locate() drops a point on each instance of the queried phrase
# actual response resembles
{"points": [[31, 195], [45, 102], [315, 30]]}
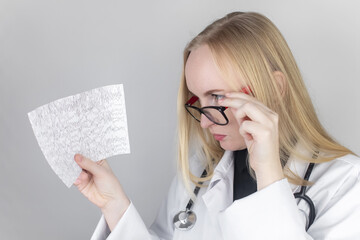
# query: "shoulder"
{"points": [[336, 195], [347, 166], [349, 161], [336, 179]]}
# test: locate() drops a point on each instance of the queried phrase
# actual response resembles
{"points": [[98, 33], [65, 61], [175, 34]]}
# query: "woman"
{"points": [[251, 142]]}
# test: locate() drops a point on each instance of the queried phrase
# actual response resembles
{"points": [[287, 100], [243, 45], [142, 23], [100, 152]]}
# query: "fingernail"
{"points": [[77, 181], [244, 90], [78, 158]]}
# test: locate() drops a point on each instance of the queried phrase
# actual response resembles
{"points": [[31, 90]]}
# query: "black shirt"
{"points": [[244, 184]]}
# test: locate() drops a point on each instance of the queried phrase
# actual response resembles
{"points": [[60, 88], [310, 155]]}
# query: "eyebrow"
{"points": [[209, 92], [212, 91]]}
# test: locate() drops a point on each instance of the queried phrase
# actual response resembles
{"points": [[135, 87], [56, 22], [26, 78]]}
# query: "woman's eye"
{"points": [[217, 97]]}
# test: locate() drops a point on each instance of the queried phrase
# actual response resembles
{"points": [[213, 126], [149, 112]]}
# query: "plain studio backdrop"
{"points": [[51, 49]]}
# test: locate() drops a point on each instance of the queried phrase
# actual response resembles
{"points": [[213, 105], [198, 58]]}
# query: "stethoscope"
{"points": [[186, 219]]}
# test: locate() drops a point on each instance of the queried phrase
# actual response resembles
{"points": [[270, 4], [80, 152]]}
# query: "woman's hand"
{"points": [[98, 183], [259, 127]]}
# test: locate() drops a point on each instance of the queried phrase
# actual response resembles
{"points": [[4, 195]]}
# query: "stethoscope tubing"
{"points": [[301, 194], [196, 191]]}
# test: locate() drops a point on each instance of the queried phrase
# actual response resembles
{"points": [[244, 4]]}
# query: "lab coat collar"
{"points": [[221, 182], [221, 170]]}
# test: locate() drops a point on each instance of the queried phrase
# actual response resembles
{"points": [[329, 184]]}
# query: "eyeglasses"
{"points": [[213, 113]]}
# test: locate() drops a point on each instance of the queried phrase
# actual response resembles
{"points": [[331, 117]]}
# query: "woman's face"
{"points": [[204, 80]]}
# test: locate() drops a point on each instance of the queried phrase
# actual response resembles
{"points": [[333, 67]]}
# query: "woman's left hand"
{"points": [[258, 125]]}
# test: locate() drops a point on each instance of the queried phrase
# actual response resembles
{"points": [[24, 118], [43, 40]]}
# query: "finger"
{"points": [[238, 94], [247, 135], [250, 129], [246, 131], [84, 176], [83, 179], [259, 133], [231, 97], [234, 102], [247, 90], [87, 164], [255, 113]]}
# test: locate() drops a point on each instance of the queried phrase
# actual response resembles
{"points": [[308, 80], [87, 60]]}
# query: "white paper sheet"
{"points": [[91, 123]]}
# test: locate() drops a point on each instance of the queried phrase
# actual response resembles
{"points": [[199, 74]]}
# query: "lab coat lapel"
{"points": [[219, 194]]}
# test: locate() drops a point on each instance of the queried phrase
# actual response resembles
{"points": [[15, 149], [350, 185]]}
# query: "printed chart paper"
{"points": [[91, 123]]}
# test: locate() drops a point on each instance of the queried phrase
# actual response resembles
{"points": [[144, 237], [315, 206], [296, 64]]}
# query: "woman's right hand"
{"points": [[98, 183]]}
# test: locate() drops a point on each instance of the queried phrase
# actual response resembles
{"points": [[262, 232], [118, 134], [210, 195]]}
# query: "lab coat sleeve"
{"points": [[272, 213], [132, 227]]}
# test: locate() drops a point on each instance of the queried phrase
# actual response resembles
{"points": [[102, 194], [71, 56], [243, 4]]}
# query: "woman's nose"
{"points": [[205, 122]]}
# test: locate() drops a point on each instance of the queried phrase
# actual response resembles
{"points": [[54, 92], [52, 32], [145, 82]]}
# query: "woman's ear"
{"points": [[281, 82]]}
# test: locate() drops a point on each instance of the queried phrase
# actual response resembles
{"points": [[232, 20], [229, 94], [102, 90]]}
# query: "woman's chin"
{"points": [[229, 146]]}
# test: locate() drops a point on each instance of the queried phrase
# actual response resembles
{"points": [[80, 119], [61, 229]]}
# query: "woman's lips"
{"points": [[219, 137]]}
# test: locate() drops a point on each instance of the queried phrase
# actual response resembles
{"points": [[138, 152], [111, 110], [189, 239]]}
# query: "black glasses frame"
{"points": [[221, 109]]}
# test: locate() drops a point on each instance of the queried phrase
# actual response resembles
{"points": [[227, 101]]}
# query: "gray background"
{"points": [[55, 48]]}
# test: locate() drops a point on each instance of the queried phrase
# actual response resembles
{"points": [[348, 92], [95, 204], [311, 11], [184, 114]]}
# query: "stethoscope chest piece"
{"points": [[184, 220]]}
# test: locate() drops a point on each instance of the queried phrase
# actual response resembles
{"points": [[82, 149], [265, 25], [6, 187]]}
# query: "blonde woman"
{"points": [[254, 160]]}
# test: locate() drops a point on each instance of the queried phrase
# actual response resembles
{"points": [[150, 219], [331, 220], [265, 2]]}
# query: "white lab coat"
{"points": [[271, 213]]}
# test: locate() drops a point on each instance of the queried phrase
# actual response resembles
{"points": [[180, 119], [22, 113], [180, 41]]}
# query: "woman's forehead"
{"points": [[201, 72]]}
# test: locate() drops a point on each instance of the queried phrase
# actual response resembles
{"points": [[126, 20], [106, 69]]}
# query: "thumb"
{"points": [[104, 163], [87, 164]]}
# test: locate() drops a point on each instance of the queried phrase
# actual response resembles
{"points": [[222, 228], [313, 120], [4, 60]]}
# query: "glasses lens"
{"points": [[194, 112], [214, 115], [211, 113]]}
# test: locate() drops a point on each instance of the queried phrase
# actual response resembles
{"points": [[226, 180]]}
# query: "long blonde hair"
{"points": [[249, 46]]}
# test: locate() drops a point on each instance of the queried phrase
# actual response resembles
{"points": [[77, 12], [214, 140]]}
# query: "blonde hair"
{"points": [[249, 46]]}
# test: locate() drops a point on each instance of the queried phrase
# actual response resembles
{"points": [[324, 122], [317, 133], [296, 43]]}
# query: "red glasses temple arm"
{"points": [[192, 100]]}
